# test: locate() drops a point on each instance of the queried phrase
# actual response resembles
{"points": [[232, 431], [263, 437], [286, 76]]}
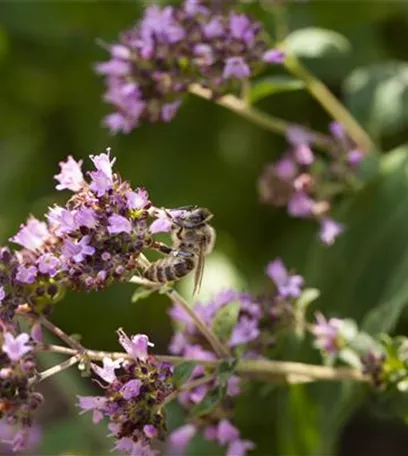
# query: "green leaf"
{"points": [[182, 372], [210, 401], [313, 42], [377, 95], [308, 296], [270, 85], [142, 293], [225, 320], [350, 357]]}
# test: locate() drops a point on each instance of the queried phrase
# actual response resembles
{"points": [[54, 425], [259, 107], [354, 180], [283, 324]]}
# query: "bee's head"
{"points": [[192, 216]]}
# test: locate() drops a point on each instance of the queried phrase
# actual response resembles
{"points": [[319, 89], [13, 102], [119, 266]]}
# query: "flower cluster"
{"points": [[248, 326], [92, 241], [307, 183], [170, 48], [134, 393], [18, 400]]}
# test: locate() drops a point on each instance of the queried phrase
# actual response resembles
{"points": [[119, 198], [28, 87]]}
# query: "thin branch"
{"points": [[70, 341], [258, 117], [56, 369], [292, 372], [330, 103]]}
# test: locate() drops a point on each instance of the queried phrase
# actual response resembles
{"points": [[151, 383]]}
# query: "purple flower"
{"points": [[244, 331], [95, 403], [117, 122], [65, 220], [131, 389], [138, 199], [119, 224], [327, 334], [178, 343], [286, 168], [53, 216], [303, 154], [213, 29], [162, 224], [329, 230], [337, 130], [77, 250], [16, 347], [240, 447], [101, 183], [136, 346], [169, 110], [233, 386], [32, 235], [113, 67], [181, 437], [26, 274], [274, 56], [205, 54], [354, 157], [49, 264], [297, 136], [85, 216], [128, 446], [300, 205], [107, 372], [239, 25], [235, 67], [193, 7], [104, 163], [150, 431], [119, 51], [289, 286], [71, 176], [226, 432], [2, 294]]}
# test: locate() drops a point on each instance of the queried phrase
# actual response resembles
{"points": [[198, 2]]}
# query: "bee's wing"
{"points": [[199, 271]]}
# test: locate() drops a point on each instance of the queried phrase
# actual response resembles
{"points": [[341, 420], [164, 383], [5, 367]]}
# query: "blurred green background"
{"points": [[50, 107]]}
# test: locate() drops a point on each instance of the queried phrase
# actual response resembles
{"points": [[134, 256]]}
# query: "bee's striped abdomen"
{"points": [[169, 269]]}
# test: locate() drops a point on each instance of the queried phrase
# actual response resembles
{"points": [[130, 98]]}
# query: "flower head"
{"points": [[151, 67]]}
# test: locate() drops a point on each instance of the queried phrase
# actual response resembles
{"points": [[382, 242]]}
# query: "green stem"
{"points": [[330, 103], [257, 117], [291, 372]]}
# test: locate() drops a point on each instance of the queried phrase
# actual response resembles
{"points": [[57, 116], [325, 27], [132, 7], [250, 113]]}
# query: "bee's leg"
{"points": [[183, 254], [161, 247]]}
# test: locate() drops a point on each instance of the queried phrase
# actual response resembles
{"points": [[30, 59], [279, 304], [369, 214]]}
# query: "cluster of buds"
{"points": [[153, 64], [18, 400], [307, 183], [248, 326], [135, 390]]}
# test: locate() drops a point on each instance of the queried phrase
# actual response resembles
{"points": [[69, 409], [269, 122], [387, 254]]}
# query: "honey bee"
{"points": [[193, 239]]}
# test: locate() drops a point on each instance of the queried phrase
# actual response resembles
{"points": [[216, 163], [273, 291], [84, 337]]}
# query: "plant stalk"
{"points": [[292, 372]]}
